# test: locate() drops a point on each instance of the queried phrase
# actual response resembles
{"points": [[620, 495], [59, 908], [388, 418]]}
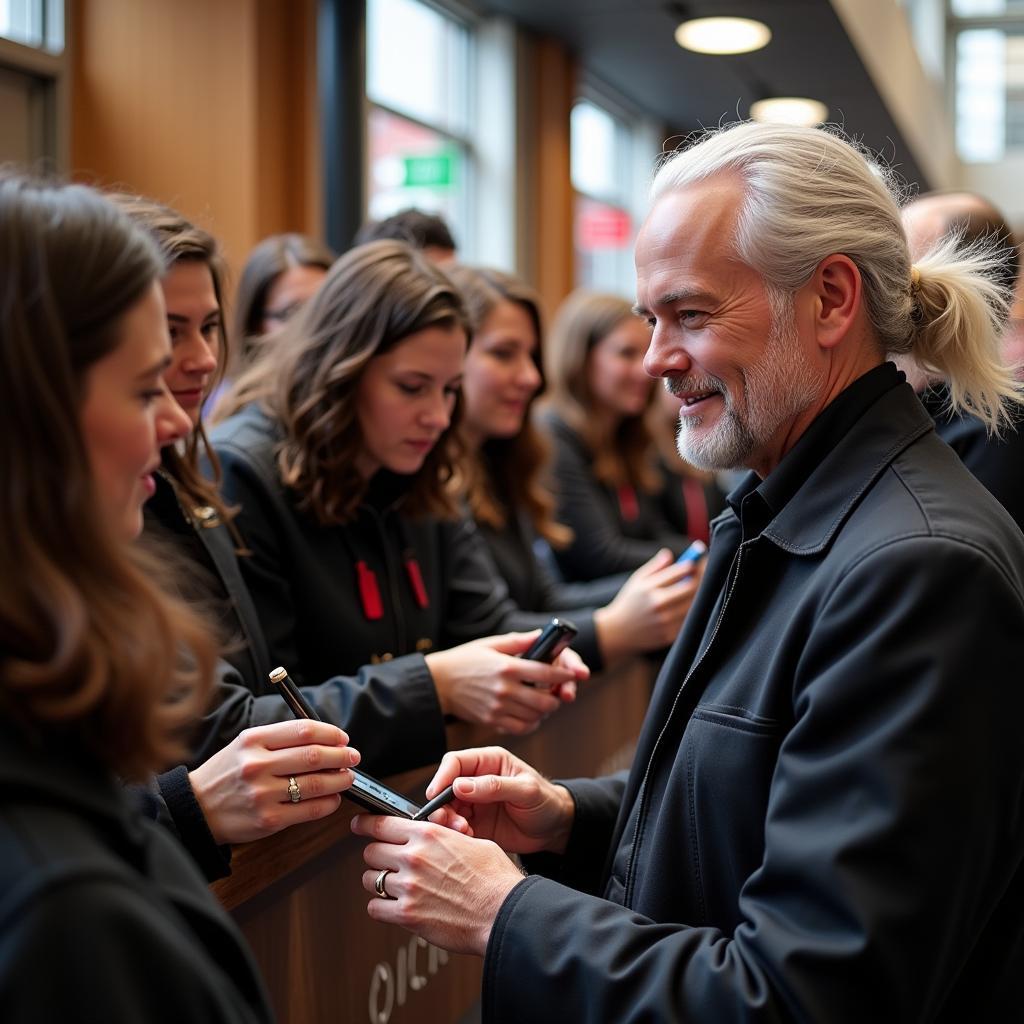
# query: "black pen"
{"points": [[446, 796], [301, 708]]}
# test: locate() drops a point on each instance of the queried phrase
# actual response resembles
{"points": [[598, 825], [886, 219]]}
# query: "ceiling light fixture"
{"points": [[723, 35], [789, 110]]}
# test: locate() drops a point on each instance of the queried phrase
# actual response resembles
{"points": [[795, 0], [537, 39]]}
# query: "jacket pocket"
{"points": [[730, 759]]}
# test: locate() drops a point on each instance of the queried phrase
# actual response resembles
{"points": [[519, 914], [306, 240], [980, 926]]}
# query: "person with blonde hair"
{"points": [[823, 817]]}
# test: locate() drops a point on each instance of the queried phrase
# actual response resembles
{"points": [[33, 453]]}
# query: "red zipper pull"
{"points": [[369, 592], [419, 589]]}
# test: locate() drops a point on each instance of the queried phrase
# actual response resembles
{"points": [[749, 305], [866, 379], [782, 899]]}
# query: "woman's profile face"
{"points": [[193, 318], [501, 374], [615, 369], [404, 399], [288, 292], [119, 414]]}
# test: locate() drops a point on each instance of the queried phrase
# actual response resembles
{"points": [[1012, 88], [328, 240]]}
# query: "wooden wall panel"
{"points": [[547, 90], [210, 107]]}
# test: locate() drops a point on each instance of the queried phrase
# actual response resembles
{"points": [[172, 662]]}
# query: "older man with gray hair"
{"points": [[824, 820]]}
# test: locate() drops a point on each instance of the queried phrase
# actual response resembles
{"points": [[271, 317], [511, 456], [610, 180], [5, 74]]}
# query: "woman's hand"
{"points": [[243, 789], [647, 613], [482, 681], [503, 799], [440, 884]]}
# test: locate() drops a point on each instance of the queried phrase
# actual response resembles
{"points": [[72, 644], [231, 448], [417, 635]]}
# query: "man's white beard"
{"points": [[781, 384]]}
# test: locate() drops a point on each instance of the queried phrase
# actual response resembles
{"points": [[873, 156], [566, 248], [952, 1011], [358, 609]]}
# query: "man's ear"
{"points": [[834, 292]]}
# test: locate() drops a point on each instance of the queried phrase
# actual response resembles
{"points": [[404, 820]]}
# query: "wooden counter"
{"points": [[298, 898]]}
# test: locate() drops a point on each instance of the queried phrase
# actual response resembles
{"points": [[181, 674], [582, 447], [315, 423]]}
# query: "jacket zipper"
{"points": [[396, 602], [734, 574]]}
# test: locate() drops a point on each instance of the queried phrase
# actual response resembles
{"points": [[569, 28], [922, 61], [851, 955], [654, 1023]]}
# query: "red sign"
{"points": [[603, 227]]}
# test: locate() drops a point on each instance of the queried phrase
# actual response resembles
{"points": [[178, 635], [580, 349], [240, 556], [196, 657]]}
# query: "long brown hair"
{"points": [[181, 241], [374, 297], [507, 473], [89, 645], [266, 263], [584, 319]]}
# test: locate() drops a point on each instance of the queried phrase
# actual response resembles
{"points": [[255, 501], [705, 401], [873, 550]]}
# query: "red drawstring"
{"points": [[629, 507], [369, 592], [419, 590]]}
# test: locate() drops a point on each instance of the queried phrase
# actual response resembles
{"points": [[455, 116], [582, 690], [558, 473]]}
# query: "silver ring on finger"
{"points": [[379, 885], [294, 793]]}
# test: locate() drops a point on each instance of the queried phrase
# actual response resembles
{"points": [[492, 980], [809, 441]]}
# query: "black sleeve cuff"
{"points": [[188, 821]]}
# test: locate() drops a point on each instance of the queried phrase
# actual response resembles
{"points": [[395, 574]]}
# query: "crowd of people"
{"points": [[386, 470]]}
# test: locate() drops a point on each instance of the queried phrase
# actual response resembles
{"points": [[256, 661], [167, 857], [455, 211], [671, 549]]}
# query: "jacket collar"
{"points": [[806, 524]]}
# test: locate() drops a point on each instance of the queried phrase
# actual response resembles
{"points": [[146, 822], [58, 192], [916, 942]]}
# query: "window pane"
{"points": [[414, 166], [416, 62], [983, 73], [22, 21], [604, 247], [986, 8], [595, 151]]}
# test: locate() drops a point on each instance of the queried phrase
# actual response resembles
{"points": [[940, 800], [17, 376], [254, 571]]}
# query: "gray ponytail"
{"points": [[810, 193]]}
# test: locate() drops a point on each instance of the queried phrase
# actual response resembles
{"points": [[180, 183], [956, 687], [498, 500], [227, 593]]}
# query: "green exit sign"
{"points": [[429, 171]]}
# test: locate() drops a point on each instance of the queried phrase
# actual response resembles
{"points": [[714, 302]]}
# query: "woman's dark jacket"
{"points": [[611, 534], [390, 710], [103, 918], [532, 586], [824, 820], [305, 579]]}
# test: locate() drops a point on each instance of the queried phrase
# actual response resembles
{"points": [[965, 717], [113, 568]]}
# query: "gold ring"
{"points": [[294, 793], [379, 885]]}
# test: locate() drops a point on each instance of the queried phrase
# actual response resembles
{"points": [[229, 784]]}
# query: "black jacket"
{"points": [[102, 916], [532, 586], [305, 580], [608, 538], [211, 576], [390, 711], [998, 462], [824, 818]]}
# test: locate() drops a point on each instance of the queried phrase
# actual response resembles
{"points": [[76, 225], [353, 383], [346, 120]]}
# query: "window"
{"points": [[417, 81], [36, 23], [988, 56], [611, 168]]}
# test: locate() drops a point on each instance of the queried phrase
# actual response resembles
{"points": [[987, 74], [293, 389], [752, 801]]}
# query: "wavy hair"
{"points": [[90, 646], [180, 241], [373, 298], [809, 192], [508, 473], [584, 319], [266, 263]]}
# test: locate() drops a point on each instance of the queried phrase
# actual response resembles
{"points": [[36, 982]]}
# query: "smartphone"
{"points": [[365, 790], [554, 638], [693, 554]]}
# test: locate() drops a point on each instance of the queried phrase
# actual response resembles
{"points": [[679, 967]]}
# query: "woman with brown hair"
{"points": [[100, 670], [339, 459], [188, 522], [606, 478], [502, 476], [281, 273]]}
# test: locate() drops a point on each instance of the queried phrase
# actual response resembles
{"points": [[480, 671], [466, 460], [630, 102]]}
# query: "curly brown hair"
{"points": [[506, 474], [374, 297], [90, 646]]}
